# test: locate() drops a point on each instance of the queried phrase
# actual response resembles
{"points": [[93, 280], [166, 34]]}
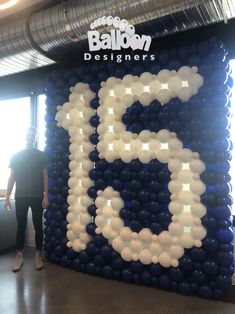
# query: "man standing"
{"points": [[29, 174]]}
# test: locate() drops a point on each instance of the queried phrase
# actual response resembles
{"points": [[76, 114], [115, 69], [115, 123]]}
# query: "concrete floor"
{"points": [[56, 290]]}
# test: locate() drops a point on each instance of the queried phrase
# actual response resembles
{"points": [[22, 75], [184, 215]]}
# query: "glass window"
{"points": [[14, 120], [41, 121]]}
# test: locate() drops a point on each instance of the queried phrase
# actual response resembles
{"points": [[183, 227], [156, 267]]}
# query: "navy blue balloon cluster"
{"points": [[202, 124]]}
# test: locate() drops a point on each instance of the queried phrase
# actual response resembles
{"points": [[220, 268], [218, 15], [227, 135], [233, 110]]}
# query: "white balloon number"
{"points": [[116, 95]]}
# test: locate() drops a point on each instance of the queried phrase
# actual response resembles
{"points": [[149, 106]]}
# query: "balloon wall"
{"points": [[139, 157]]}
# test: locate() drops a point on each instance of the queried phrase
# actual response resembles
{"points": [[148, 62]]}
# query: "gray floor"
{"points": [[56, 290]]}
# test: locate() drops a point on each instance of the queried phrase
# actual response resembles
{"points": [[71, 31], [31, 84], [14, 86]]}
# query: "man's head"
{"points": [[31, 136]]}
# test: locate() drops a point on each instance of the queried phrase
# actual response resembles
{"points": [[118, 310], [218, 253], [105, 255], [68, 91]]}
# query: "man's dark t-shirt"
{"points": [[28, 166]]}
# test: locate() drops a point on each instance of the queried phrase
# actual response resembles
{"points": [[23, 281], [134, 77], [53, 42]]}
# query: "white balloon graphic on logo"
{"points": [[185, 229]]}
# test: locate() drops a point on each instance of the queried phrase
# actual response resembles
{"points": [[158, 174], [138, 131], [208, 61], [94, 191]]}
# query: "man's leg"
{"points": [[37, 212], [21, 206]]}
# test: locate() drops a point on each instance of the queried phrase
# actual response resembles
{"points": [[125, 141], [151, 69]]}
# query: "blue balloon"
{"points": [[135, 226], [146, 277], [199, 277], [176, 274], [90, 248], [106, 251], [225, 235], [223, 282], [136, 267], [92, 210], [118, 263], [107, 272], [127, 275], [90, 228], [91, 268], [164, 282], [205, 291], [225, 259], [125, 214], [222, 213], [210, 245], [144, 216], [210, 267], [99, 241], [185, 288], [99, 260], [58, 234], [186, 264]]}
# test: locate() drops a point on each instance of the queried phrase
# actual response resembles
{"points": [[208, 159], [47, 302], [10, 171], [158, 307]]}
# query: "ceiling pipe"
{"points": [[56, 34]]}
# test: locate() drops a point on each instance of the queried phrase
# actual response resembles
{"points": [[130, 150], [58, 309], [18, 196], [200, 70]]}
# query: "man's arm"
{"points": [[45, 202], [10, 184]]}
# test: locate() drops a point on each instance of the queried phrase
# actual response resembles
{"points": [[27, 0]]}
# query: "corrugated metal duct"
{"points": [[56, 34]]}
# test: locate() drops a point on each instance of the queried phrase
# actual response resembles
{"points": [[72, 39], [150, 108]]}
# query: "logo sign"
{"points": [[123, 36]]}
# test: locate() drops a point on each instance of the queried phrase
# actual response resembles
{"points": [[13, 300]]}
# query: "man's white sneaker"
{"points": [[18, 262], [38, 262]]}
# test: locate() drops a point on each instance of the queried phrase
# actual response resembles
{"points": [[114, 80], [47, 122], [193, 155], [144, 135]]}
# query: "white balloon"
{"points": [[163, 136], [155, 249], [118, 146], [119, 90], [175, 186], [136, 246], [110, 156], [185, 93], [198, 210], [174, 165], [184, 73], [164, 238], [136, 145], [197, 187], [185, 176], [155, 86], [145, 235], [144, 156], [175, 207], [145, 98], [197, 166], [128, 80], [76, 245], [137, 88], [146, 78], [176, 251], [163, 95], [164, 155], [117, 224], [164, 76], [126, 137], [117, 244], [145, 136], [186, 197], [145, 257], [198, 232], [126, 254], [174, 83], [175, 144], [186, 219], [125, 234], [154, 145], [175, 229], [164, 259], [126, 156]]}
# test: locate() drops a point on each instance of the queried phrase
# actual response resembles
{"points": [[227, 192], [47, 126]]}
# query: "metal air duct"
{"points": [[56, 34]]}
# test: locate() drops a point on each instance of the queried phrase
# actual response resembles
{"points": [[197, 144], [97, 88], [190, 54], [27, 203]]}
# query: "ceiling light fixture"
{"points": [[8, 4]]}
